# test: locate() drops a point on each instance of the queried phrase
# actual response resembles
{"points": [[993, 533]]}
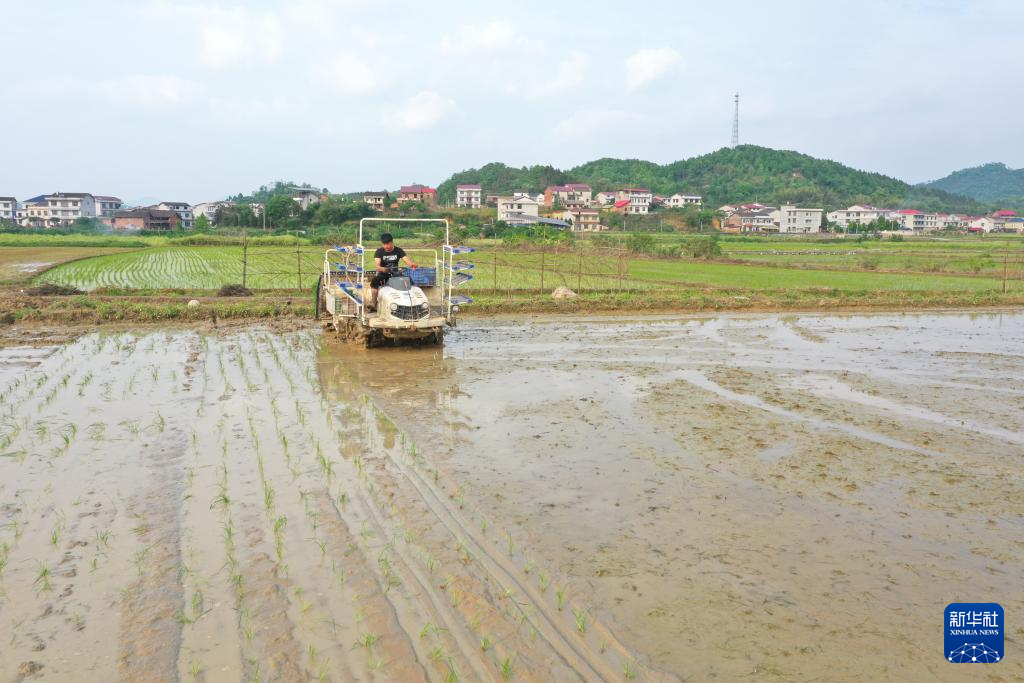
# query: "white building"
{"points": [[67, 207], [679, 201], [8, 209], [639, 198], [606, 197], [305, 197], [860, 214], [468, 196], [208, 209], [570, 196], [107, 206], [183, 210], [916, 221], [792, 219], [519, 209]]}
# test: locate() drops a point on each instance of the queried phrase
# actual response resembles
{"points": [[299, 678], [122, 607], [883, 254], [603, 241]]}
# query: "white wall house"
{"points": [[107, 206], [468, 196], [861, 214], [183, 210], [679, 201], [208, 209], [606, 197], [67, 207], [572, 195], [519, 209], [584, 220], [916, 221], [8, 209], [640, 199], [792, 219]]}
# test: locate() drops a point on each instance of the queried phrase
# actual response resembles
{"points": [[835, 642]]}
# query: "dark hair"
{"points": [[386, 237]]}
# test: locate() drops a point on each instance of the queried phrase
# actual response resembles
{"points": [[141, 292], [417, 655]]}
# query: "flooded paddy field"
{"points": [[662, 498]]}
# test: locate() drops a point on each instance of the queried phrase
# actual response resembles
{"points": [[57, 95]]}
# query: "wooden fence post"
{"points": [[298, 262], [542, 252], [245, 256], [579, 273]]}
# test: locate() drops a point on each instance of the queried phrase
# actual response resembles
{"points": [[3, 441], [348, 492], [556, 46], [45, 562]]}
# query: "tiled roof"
{"points": [[467, 187], [416, 189]]}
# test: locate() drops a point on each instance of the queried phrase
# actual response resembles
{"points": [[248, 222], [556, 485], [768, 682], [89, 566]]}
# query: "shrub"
{"points": [[234, 290]]}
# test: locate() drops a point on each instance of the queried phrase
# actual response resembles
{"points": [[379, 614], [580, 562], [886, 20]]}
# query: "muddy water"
{"points": [[585, 499], [784, 498]]}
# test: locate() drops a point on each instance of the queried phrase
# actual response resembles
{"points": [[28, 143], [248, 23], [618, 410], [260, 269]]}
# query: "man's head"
{"points": [[387, 241]]}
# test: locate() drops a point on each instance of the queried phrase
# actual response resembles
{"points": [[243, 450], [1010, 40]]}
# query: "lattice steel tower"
{"points": [[736, 123]]}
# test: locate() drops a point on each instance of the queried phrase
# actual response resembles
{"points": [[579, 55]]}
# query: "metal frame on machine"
{"points": [[352, 276]]}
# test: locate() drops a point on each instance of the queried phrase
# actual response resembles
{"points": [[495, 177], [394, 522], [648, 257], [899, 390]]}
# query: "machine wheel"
{"points": [[374, 339], [438, 338]]}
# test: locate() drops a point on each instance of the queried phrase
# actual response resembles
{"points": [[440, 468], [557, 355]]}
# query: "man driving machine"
{"points": [[386, 257]]}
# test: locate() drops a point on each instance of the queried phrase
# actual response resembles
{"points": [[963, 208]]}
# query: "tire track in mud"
{"points": [[552, 625]]}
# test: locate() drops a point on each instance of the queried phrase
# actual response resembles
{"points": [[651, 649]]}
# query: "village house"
{"points": [[209, 209], [8, 209], [791, 219], [183, 210], [67, 207], [916, 221], [417, 193], [376, 200], [568, 196], [107, 206], [859, 214], [146, 219], [584, 220], [606, 197], [468, 196], [639, 198], [491, 199], [518, 209], [750, 220], [680, 201], [305, 197]]}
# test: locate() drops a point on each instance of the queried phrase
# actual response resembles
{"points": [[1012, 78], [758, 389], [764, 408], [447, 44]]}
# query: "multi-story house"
{"points": [[183, 210], [107, 206], [606, 197], [584, 220], [208, 209], [376, 200], [679, 201], [639, 198], [8, 209], [417, 193], [861, 214], [569, 196], [34, 213], [468, 196], [750, 220], [791, 219], [67, 207], [304, 197], [916, 221], [257, 208], [519, 209], [163, 220]]}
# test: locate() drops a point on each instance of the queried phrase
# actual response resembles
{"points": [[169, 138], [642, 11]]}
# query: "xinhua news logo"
{"points": [[974, 633]]}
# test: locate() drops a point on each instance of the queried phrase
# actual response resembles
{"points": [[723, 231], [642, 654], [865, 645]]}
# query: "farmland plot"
{"points": [[178, 506]]}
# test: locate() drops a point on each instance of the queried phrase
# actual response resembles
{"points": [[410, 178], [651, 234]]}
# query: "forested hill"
{"points": [[988, 183], [742, 174]]}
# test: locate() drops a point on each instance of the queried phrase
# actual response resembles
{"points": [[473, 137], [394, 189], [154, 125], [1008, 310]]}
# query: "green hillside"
{"points": [[742, 174], [988, 183]]}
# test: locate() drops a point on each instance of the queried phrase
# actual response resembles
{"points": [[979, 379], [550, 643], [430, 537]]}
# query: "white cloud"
{"points": [[586, 122], [235, 36], [137, 91], [646, 66], [350, 75], [423, 110], [494, 36], [569, 74]]}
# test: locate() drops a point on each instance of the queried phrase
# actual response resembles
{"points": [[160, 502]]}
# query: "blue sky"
{"points": [[194, 101]]}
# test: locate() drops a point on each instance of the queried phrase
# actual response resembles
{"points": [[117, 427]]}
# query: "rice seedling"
{"points": [[84, 383], [544, 581], [159, 422], [42, 430], [97, 431], [367, 640], [581, 620], [103, 539], [196, 670], [268, 496], [5, 554], [560, 598], [43, 579], [323, 671], [508, 535], [506, 668], [486, 644], [629, 670]]}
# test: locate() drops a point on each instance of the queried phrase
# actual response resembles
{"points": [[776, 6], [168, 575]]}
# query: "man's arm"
{"points": [[380, 268], [409, 262]]}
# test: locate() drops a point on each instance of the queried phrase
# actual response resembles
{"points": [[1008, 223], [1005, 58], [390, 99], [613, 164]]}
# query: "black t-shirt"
{"points": [[389, 259]]}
